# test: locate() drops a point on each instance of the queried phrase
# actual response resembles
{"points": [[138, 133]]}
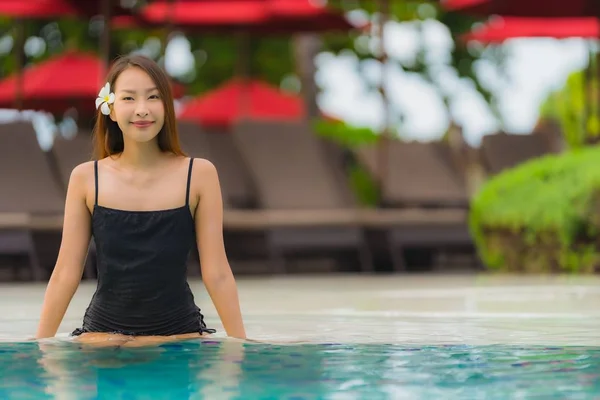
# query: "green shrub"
{"points": [[541, 216]]}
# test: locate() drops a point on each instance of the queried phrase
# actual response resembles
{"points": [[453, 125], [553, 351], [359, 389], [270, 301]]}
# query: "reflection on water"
{"points": [[234, 370]]}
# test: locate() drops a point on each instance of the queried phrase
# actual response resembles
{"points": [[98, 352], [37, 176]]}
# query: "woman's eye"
{"points": [[154, 96], [128, 98]]}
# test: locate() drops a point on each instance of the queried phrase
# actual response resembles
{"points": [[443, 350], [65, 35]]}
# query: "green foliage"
{"points": [[567, 105], [364, 186], [220, 54], [344, 134], [463, 58], [217, 56], [402, 10], [542, 215]]}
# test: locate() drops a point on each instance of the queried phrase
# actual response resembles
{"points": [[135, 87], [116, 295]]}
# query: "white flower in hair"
{"points": [[105, 97]]}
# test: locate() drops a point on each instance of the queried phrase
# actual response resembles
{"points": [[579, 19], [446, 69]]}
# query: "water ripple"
{"points": [[234, 370]]}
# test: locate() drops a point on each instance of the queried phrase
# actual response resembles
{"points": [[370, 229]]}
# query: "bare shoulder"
{"points": [[205, 179], [204, 170], [82, 173], [81, 182]]}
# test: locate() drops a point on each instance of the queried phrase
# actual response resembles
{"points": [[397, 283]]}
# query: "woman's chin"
{"points": [[141, 135]]}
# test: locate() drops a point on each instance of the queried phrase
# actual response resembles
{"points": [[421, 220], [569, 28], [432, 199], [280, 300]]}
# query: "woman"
{"points": [[146, 205]]}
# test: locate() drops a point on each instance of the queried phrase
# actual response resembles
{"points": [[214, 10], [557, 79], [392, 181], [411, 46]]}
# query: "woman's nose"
{"points": [[141, 109]]}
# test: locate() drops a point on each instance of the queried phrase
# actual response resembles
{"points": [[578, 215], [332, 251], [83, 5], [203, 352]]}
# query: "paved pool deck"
{"points": [[421, 309]]}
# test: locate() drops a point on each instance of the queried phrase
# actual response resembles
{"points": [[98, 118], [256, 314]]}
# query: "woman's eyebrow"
{"points": [[133, 91]]}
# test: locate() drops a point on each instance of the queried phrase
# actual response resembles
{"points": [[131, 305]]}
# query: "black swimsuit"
{"points": [[142, 281]]}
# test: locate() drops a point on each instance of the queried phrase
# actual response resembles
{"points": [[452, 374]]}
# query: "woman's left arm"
{"points": [[216, 272]]}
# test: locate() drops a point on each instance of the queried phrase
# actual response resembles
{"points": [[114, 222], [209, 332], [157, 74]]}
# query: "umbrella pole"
{"points": [[306, 46], [593, 97], [243, 71], [105, 40], [168, 30], [588, 100], [19, 61], [597, 86], [383, 142]]}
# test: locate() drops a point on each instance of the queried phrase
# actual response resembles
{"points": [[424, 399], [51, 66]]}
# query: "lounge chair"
{"points": [[218, 147], [424, 201], [31, 202], [552, 132], [304, 207], [502, 150], [66, 154]]}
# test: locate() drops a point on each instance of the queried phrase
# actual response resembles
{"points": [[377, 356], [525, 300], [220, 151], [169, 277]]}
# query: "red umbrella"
{"points": [[32, 9], [49, 9], [69, 80], [497, 30], [524, 8], [254, 15], [222, 107], [106, 8], [532, 8], [203, 12], [305, 15], [36, 8]]}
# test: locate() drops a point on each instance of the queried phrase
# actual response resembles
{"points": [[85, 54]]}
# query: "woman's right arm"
{"points": [[74, 245]]}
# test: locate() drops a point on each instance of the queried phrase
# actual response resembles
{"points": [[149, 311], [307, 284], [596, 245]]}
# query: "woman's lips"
{"points": [[142, 124]]}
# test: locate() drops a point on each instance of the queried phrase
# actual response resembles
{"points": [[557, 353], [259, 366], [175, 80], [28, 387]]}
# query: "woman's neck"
{"points": [[138, 155]]}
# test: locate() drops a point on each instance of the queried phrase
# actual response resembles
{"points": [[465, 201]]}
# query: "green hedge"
{"points": [[541, 216]]}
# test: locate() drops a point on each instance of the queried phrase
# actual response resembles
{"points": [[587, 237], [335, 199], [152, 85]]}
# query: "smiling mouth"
{"points": [[142, 124]]}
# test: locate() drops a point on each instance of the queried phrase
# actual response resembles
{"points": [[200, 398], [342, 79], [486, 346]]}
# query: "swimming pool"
{"points": [[361, 338], [232, 370]]}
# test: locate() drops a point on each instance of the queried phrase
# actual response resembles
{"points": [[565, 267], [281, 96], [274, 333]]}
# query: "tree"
{"points": [[215, 56], [569, 106]]}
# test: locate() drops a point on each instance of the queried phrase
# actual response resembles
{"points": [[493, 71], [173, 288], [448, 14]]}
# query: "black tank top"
{"points": [[142, 281]]}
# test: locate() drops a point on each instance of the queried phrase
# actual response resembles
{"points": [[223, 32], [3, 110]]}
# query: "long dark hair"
{"points": [[108, 137]]}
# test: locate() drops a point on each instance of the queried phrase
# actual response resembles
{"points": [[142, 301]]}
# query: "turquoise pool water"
{"points": [[233, 370]]}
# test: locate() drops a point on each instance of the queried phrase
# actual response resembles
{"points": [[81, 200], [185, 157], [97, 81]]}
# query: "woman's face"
{"points": [[138, 108]]}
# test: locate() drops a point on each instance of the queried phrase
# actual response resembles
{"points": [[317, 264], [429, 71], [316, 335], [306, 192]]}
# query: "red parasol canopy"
{"points": [[497, 30], [48, 9], [34, 9], [69, 80], [223, 106], [261, 15], [203, 12], [530, 8]]}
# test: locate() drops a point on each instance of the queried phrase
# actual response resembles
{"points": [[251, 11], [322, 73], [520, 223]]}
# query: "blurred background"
{"points": [[368, 136]]}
